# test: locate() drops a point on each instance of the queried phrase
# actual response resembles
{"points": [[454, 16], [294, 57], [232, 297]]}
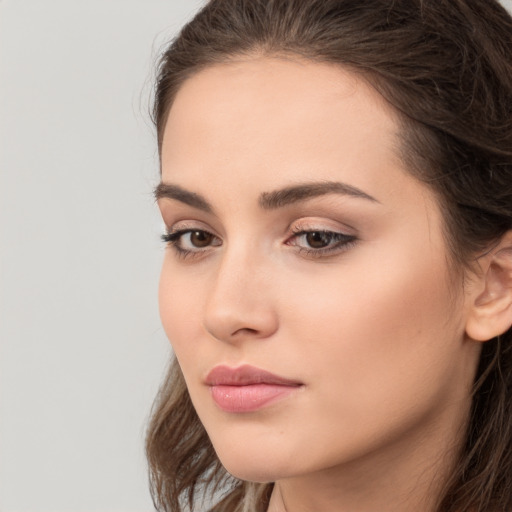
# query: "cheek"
{"points": [[179, 303], [380, 352], [375, 329]]}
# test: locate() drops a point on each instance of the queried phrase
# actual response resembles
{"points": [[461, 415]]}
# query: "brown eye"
{"points": [[201, 238], [189, 241], [318, 239], [320, 243]]}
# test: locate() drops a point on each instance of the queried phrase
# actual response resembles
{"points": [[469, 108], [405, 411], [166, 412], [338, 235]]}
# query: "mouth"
{"points": [[247, 388]]}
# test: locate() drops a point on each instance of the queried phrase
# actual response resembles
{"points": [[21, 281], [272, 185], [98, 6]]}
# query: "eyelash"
{"points": [[174, 238], [341, 241]]}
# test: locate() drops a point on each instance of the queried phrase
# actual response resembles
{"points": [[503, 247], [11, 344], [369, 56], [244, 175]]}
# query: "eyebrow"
{"points": [[166, 190], [267, 200], [297, 193]]}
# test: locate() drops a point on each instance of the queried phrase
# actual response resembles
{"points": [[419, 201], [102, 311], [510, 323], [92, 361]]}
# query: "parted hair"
{"points": [[446, 68]]}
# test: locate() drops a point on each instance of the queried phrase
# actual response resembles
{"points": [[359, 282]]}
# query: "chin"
{"points": [[255, 463], [250, 472]]}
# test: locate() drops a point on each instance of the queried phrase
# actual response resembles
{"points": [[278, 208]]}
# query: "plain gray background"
{"points": [[82, 350]]}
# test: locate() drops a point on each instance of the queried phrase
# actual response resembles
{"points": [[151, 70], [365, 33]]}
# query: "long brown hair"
{"points": [[445, 66]]}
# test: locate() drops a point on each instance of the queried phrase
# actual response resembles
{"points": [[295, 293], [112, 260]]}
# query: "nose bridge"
{"points": [[239, 303]]}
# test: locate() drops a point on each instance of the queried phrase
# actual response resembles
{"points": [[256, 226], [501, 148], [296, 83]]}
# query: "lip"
{"points": [[247, 388]]}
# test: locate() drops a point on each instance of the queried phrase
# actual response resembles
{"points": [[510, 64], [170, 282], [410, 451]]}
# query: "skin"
{"points": [[374, 330]]}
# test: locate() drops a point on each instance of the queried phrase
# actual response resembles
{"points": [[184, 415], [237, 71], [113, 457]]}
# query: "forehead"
{"points": [[277, 82], [279, 121]]}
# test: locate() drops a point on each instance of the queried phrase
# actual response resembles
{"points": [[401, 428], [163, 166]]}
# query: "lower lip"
{"points": [[249, 398]]}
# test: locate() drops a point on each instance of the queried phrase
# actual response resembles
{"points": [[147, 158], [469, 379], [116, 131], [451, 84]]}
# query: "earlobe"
{"points": [[491, 308]]}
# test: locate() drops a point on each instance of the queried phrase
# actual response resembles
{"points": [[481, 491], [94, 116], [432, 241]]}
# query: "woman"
{"points": [[337, 287]]}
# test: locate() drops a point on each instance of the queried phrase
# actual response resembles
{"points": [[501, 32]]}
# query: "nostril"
{"points": [[245, 330], [235, 325]]}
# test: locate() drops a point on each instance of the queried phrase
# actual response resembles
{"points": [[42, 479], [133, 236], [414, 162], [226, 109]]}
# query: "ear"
{"points": [[491, 298]]}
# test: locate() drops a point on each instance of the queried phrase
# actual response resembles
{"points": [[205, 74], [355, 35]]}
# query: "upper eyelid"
{"points": [[189, 225], [293, 229], [319, 225], [305, 223], [309, 229]]}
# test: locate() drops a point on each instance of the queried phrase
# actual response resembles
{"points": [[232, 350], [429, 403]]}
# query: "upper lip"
{"points": [[244, 376]]}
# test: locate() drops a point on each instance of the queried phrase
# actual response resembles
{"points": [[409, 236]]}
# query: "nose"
{"points": [[240, 304]]}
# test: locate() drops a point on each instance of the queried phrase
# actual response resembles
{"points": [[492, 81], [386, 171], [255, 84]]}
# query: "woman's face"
{"points": [[300, 246]]}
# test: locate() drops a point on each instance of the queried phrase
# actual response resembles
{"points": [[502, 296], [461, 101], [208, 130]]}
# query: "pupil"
{"points": [[200, 238], [318, 239]]}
